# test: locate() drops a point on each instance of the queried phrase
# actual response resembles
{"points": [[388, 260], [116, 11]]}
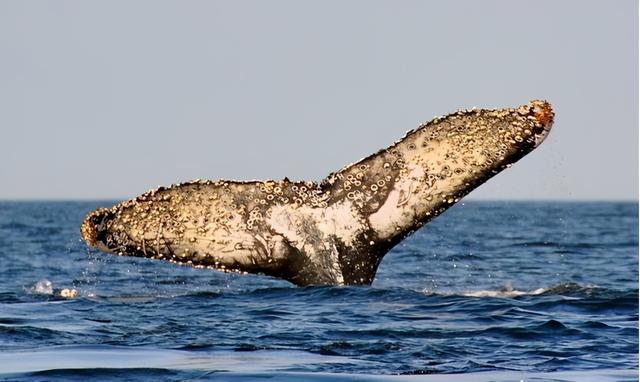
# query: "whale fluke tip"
{"points": [[542, 112], [88, 228]]}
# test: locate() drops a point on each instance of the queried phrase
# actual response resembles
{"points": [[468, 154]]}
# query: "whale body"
{"points": [[333, 232]]}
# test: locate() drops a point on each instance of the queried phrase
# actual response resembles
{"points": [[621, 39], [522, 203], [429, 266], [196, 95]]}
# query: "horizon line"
{"points": [[552, 200]]}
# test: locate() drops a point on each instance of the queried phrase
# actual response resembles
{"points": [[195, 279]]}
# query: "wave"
{"points": [[506, 292], [426, 375], [563, 289], [45, 287], [64, 358]]}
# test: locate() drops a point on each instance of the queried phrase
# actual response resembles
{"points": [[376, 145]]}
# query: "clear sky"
{"points": [[108, 99]]}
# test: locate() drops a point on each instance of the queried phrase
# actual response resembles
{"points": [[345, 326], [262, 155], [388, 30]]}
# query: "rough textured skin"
{"points": [[335, 232]]}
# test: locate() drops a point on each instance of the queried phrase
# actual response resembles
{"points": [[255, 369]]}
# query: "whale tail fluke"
{"points": [[335, 232]]}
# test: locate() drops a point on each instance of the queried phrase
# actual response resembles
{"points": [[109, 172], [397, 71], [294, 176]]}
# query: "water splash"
{"points": [[45, 287]]}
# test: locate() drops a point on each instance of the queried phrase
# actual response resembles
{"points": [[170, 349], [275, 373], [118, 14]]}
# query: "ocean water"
{"points": [[489, 291]]}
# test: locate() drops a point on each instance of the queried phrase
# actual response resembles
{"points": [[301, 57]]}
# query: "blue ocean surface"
{"points": [[489, 291]]}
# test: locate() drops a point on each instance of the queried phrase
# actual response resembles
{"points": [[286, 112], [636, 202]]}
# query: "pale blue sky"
{"points": [[108, 99]]}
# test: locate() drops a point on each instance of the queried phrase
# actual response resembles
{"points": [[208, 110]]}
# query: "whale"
{"points": [[335, 231]]}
